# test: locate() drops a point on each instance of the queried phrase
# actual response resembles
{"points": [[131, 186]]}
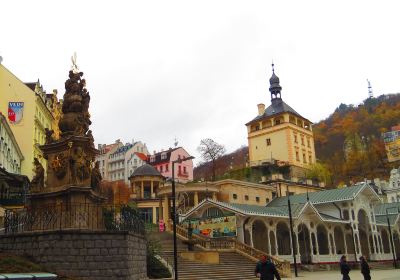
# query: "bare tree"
{"points": [[211, 151]]}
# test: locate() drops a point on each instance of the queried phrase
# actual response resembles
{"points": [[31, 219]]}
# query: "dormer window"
{"points": [[152, 158], [164, 156]]}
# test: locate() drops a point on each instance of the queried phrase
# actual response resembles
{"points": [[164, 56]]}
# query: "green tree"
{"points": [[319, 172]]}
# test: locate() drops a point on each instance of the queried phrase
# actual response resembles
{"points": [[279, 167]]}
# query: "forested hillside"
{"points": [[349, 141], [232, 161]]}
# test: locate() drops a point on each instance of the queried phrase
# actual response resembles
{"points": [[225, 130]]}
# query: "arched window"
{"points": [[283, 236], [322, 238]]}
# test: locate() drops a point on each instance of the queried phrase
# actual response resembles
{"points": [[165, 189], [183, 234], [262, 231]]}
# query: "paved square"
{"points": [[389, 274]]}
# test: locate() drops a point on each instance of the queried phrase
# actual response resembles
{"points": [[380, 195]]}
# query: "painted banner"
{"points": [[214, 227], [15, 112]]}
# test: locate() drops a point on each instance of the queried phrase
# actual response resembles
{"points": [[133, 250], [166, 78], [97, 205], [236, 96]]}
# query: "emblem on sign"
{"points": [[15, 112]]}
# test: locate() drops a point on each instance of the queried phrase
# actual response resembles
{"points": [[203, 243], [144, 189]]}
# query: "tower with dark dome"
{"points": [[279, 135]]}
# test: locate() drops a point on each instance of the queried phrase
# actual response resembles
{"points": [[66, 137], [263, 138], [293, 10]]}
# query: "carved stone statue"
{"points": [[49, 135], [76, 117], [96, 177], [38, 179], [90, 135]]}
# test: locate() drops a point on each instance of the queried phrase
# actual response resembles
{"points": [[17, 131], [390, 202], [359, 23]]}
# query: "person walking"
{"points": [[344, 268], [266, 270], [365, 269]]}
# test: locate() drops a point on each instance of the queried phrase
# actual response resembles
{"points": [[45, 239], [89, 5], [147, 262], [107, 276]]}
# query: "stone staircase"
{"points": [[232, 265]]}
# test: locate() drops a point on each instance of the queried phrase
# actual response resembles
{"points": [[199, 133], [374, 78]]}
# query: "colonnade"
{"points": [[318, 241]]}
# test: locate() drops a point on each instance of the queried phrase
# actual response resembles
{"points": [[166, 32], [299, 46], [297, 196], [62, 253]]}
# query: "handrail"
{"points": [[283, 266], [254, 254]]}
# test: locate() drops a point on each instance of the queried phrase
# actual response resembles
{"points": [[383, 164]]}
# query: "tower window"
{"points": [[246, 197], [297, 156], [268, 142], [302, 141], [309, 159], [308, 142], [304, 158], [234, 196], [257, 198], [295, 138]]}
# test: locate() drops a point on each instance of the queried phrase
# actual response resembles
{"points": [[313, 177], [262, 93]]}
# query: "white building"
{"points": [[118, 160], [10, 153], [326, 225]]}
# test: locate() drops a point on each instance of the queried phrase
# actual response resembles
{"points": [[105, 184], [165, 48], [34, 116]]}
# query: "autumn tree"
{"points": [[320, 172], [211, 151], [117, 192]]}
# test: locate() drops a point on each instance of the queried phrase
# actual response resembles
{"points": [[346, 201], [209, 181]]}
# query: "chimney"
{"points": [[261, 109]]}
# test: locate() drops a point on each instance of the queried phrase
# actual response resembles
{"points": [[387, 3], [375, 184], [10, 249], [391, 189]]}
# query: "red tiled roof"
{"points": [[141, 156]]}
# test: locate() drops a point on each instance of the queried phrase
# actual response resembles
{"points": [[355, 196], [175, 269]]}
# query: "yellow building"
{"points": [[145, 182], [280, 135], [29, 113]]}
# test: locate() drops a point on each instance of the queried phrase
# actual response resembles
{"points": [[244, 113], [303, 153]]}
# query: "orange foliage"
{"points": [[117, 192], [350, 161]]}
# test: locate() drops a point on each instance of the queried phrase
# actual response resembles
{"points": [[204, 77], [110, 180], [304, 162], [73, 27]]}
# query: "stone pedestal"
{"points": [[69, 199], [70, 162]]}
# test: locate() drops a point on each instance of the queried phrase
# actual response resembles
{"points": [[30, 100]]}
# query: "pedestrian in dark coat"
{"points": [[344, 268], [365, 269], [266, 270]]}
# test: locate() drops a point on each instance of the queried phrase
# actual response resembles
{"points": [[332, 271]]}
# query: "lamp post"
{"points": [[174, 212], [390, 233]]}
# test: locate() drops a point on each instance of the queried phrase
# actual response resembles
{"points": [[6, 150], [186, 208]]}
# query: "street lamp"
{"points": [[180, 160], [390, 232]]}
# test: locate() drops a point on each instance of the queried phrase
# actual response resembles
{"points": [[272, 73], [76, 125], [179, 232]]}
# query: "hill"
{"points": [[349, 142], [233, 161]]}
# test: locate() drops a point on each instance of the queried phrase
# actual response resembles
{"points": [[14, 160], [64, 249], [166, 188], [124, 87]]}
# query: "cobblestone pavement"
{"points": [[389, 274]]}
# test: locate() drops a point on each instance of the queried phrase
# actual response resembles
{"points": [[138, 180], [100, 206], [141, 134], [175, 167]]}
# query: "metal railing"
{"points": [[79, 216], [205, 243]]}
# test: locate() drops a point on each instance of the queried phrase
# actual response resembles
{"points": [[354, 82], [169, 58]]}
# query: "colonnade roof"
{"points": [[327, 196], [266, 211], [393, 213], [393, 208], [382, 219]]}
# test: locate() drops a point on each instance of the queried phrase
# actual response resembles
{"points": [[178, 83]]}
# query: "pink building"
{"points": [[162, 161]]}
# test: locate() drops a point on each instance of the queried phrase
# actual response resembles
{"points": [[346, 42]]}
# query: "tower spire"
{"points": [[275, 88]]}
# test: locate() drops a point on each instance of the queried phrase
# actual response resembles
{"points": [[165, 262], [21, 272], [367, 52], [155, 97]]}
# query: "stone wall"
{"points": [[89, 255]]}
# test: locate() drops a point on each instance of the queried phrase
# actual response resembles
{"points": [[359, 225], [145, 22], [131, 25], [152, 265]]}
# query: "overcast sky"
{"points": [[157, 70]]}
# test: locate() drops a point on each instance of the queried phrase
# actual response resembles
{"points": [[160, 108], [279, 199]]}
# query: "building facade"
{"points": [[145, 182], [280, 134], [118, 160], [326, 225], [29, 114], [392, 143], [162, 161], [10, 154]]}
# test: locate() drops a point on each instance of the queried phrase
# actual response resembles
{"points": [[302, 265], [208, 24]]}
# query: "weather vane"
{"points": [[74, 66]]}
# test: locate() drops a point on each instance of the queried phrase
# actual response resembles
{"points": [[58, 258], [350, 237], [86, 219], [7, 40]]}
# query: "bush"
{"points": [[155, 268]]}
